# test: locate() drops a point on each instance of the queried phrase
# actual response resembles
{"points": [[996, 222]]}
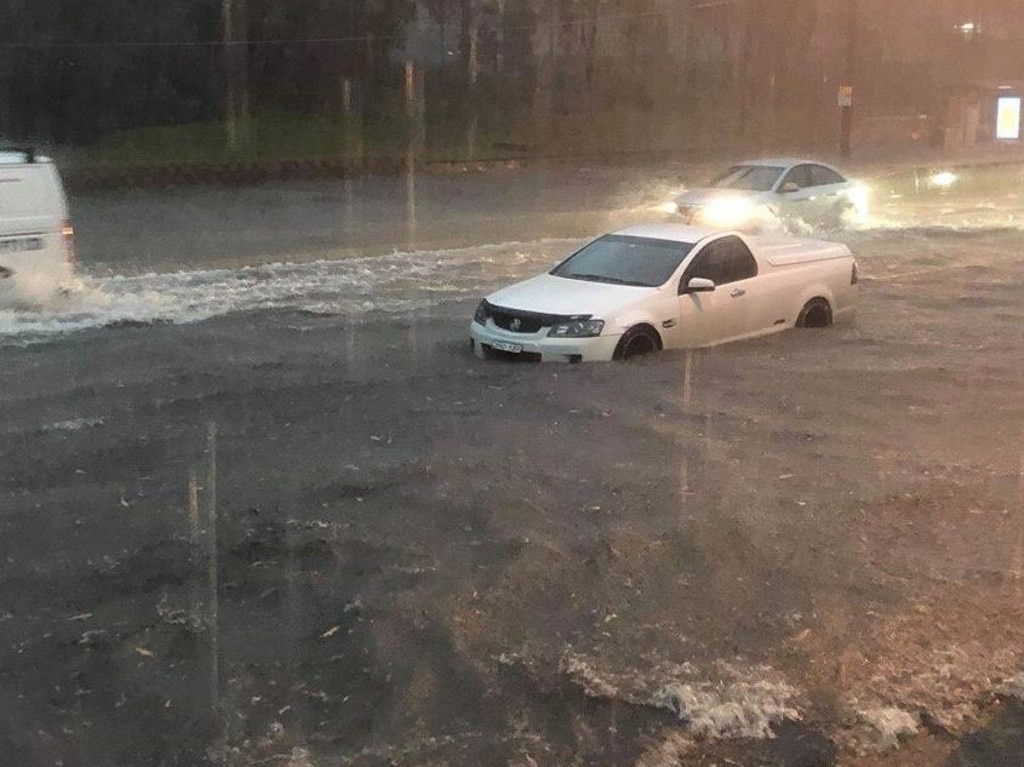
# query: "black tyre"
{"points": [[817, 313], [637, 342]]}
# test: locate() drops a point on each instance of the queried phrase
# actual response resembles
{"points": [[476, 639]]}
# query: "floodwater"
{"points": [[805, 549], [398, 245]]}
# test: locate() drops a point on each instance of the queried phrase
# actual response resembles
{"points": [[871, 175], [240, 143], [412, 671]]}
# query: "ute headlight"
{"points": [[728, 211], [577, 329], [483, 311]]}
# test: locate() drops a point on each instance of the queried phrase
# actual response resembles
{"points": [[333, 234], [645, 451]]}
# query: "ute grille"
{"points": [[528, 322]]}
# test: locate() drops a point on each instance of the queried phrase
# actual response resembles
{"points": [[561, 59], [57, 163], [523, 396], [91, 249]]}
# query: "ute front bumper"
{"points": [[491, 341]]}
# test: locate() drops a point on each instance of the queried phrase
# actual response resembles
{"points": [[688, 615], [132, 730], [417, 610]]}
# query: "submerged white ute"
{"points": [[667, 286]]}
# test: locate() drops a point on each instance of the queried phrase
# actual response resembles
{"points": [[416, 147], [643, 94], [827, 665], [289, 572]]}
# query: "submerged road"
{"points": [[421, 558]]}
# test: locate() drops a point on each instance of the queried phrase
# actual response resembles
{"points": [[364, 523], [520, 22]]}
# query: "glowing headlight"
{"points": [[859, 195], [943, 180], [728, 211], [577, 329]]}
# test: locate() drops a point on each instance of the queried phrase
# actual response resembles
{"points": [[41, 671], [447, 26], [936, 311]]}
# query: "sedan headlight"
{"points": [[577, 329], [483, 311], [943, 180], [728, 211], [859, 196]]}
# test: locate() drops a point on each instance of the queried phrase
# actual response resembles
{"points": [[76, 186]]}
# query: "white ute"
{"points": [[667, 286], [36, 238]]}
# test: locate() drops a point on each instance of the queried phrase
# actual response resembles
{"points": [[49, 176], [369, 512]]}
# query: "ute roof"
{"points": [[672, 232], [777, 249]]}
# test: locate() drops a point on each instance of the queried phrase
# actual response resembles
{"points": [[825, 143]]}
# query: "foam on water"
{"points": [[1013, 687], [744, 706], [727, 700], [397, 283], [889, 725]]}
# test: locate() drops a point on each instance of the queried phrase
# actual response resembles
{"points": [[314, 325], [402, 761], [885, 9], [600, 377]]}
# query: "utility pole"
{"points": [[846, 89], [230, 95]]}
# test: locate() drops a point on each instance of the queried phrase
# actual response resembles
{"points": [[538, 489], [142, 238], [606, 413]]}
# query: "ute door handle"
{"points": [[737, 292]]}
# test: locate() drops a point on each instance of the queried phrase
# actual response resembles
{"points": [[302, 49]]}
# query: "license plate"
{"points": [[503, 346]]}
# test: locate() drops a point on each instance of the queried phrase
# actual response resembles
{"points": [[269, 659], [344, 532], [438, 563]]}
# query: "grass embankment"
{"points": [[281, 137]]}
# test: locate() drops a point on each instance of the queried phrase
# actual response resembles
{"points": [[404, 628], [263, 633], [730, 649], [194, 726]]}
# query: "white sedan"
{"points": [[666, 286], [759, 192]]}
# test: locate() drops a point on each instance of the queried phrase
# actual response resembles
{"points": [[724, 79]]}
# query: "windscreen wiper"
{"points": [[611, 280]]}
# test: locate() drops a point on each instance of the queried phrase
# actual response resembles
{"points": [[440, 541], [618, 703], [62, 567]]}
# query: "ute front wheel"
{"points": [[637, 342]]}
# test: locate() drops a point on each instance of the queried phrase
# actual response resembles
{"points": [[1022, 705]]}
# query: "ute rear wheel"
{"points": [[816, 314], [637, 342]]}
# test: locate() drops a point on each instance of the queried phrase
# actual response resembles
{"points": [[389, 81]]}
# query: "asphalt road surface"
{"points": [[260, 504]]}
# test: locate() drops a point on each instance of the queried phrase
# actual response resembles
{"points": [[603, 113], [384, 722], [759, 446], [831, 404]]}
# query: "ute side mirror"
{"points": [[789, 187], [699, 285]]}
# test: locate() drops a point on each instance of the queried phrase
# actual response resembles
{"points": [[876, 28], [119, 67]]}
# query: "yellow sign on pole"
{"points": [[846, 95]]}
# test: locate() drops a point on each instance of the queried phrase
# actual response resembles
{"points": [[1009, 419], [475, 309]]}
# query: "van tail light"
{"points": [[67, 235], [855, 274]]}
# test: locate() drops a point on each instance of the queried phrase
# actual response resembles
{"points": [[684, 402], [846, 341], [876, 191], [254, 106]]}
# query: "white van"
{"points": [[36, 237]]}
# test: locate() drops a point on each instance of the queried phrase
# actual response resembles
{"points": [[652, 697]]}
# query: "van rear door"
{"points": [[35, 235]]}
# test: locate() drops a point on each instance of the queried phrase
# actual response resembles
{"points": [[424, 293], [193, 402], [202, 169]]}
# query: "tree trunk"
{"points": [[469, 38], [236, 86], [546, 52]]}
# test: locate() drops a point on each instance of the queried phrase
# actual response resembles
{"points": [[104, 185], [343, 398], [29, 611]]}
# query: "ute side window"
{"points": [[738, 261], [727, 259], [705, 264]]}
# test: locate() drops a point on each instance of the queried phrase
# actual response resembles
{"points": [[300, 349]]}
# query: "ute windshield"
{"points": [[625, 260], [753, 178]]}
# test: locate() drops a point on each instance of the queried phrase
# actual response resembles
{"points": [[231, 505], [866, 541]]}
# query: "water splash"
{"points": [[397, 283]]}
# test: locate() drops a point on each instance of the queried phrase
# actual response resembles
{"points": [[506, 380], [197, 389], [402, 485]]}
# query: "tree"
{"points": [[234, 34]]}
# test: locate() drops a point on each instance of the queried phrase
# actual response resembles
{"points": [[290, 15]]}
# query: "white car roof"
{"points": [[672, 232], [785, 162], [774, 161]]}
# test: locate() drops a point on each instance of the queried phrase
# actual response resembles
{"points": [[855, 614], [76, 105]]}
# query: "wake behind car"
{"points": [[666, 286], [36, 238], [757, 193]]}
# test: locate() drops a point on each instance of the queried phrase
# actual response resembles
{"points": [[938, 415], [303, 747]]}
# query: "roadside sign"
{"points": [[846, 115], [1008, 117]]}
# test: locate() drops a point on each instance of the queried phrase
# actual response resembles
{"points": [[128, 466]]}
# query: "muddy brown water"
{"points": [[422, 558]]}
